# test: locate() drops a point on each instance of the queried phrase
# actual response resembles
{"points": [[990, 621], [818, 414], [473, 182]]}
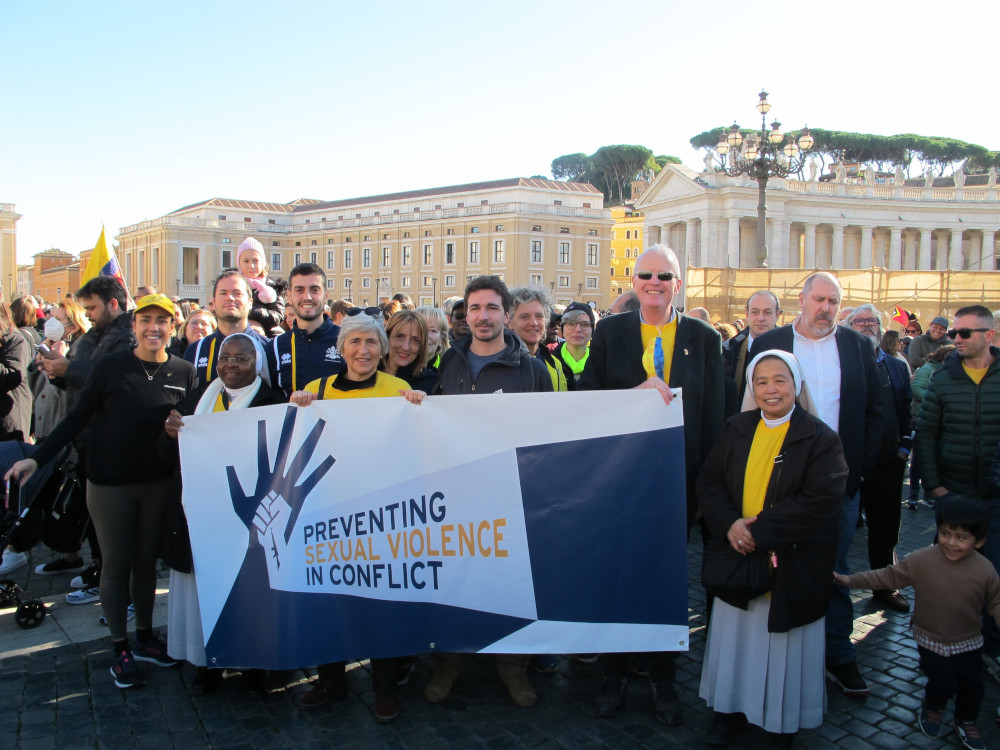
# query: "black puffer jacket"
{"points": [[516, 371], [801, 526], [270, 315], [958, 428]]}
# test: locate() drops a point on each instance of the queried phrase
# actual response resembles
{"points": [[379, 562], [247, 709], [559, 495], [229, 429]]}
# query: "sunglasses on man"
{"points": [[966, 332], [661, 275]]}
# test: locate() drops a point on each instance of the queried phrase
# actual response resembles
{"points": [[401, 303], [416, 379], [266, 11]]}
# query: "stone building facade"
{"points": [[426, 243]]}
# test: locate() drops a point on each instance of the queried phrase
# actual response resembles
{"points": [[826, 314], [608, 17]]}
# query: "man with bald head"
{"points": [[763, 310], [657, 347], [839, 368]]}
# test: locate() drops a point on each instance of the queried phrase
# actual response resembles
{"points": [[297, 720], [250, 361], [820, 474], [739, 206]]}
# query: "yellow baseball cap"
{"points": [[155, 300]]}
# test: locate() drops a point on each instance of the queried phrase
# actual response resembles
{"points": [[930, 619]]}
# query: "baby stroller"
{"points": [[30, 613]]}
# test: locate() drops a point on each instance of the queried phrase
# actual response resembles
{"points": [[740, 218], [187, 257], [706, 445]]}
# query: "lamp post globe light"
{"points": [[761, 156]]}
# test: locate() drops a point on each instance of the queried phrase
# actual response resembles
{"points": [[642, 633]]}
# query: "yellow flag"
{"points": [[103, 262]]}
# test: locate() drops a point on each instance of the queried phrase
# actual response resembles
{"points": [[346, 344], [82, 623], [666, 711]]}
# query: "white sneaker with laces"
{"points": [[84, 596], [12, 561]]}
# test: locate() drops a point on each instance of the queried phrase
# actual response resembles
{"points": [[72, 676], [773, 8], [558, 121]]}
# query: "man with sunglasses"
{"points": [[925, 343], [958, 430], [839, 367], [659, 348], [308, 351]]}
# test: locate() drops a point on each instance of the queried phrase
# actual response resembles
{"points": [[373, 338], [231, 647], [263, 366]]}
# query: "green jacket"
{"points": [[921, 379], [959, 427]]}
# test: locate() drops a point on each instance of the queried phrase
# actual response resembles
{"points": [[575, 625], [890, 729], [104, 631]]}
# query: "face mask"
{"points": [[54, 329]]}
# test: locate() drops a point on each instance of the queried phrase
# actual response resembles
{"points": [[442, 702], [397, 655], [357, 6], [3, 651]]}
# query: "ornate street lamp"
{"points": [[760, 156]]}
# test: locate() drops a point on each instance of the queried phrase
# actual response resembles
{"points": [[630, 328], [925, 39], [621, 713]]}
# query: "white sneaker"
{"points": [[84, 596], [12, 561]]}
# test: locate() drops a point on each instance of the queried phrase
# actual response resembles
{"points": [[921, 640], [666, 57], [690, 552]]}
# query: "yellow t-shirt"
{"points": [[668, 332], [385, 385], [219, 405], [977, 374], [767, 442]]}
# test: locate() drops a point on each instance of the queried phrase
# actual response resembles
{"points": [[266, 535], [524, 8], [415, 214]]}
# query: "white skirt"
{"points": [[184, 636], [776, 679]]}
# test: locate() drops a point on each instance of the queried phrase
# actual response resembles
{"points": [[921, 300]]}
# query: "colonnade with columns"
{"points": [[730, 241]]}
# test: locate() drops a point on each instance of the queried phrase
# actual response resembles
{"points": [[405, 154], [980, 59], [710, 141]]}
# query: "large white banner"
{"points": [[519, 523]]}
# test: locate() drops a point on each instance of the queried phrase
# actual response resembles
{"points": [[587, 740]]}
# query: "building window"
{"points": [[298, 244], [628, 234], [348, 257], [628, 271], [612, 234], [227, 258], [426, 281], [628, 252], [536, 227], [275, 243], [367, 237], [348, 239], [298, 259], [347, 283], [556, 203], [406, 235], [474, 230], [536, 251], [221, 217], [428, 255], [312, 257], [329, 282], [563, 230], [366, 258], [271, 221], [498, 251], [592, 232], [450, 231], [591, 282], [449, 253], [313, 242], [226, 241], [386, 257], [329, 241], [473, 252], [275, 261], [405, 282], [329, 259], [449, 281], [536, 278], [407, 253], [564, 253], [366, 283], [427, 233], [564, 281], [498, 228], [612, 252], [385, 236], [247, 220]]}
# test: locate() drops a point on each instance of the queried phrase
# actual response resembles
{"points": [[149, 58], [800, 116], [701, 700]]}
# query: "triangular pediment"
{"points": [[674, 181]]}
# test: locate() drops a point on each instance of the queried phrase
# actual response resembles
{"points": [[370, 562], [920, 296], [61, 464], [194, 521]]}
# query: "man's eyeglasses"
{"points": [[966, 332], [661, 275], [240, 359], [865, 322], [375, 312]]}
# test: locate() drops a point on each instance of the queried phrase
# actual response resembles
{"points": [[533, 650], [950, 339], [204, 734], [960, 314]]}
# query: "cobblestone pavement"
{"points": [[63, 697]]}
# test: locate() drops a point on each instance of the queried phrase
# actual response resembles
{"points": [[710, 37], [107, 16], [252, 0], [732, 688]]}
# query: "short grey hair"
{"points": [[664, 251], [362, 323], [868, 307], [823, 276], [523, 294]]}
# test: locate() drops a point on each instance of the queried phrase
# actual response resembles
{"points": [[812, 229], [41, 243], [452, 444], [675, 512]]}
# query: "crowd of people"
{"points": [[794, 436]]}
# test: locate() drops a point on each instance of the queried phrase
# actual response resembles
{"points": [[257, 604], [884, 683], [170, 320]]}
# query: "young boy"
{"points": [[951, 584]]}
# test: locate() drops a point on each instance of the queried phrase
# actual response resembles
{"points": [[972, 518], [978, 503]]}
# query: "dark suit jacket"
{"points": [[615, 362], [902, 395], [860, 400]]}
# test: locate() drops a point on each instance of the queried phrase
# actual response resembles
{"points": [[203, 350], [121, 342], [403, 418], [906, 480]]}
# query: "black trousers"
{"points": [[960, 675], [881, 499]]}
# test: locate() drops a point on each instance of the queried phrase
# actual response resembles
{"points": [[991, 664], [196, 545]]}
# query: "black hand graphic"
{"points": [[276, 480]]}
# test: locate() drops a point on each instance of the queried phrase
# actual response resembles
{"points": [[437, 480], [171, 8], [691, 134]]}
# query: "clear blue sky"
{"points": [[123, 111]]}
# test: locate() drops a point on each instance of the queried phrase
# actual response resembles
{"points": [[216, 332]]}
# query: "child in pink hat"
{"points": [[268, 295]]}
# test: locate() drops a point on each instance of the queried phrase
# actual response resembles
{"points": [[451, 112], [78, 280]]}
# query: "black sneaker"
{"points": [[848, 679], [125, 671], [90, 578], [968, 735], [929, 720], [666, 705], [611, 700], [62, 565], [153, 651]]}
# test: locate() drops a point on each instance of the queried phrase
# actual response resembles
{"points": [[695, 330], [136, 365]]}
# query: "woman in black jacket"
{"points": [[772, 486]]}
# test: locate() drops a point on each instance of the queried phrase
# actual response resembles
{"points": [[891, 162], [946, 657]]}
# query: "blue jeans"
{"points": [[840, 615]]}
